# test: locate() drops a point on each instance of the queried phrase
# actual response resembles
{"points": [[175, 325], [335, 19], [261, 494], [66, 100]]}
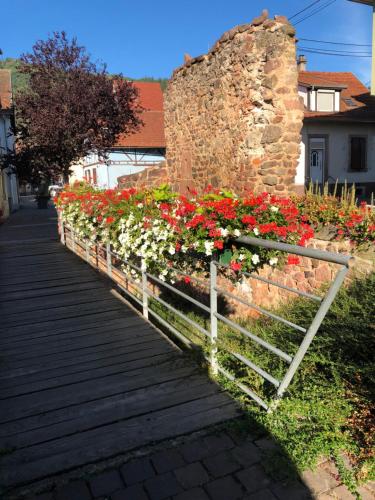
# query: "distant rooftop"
{"points": [[5, 89], [151, 134]]}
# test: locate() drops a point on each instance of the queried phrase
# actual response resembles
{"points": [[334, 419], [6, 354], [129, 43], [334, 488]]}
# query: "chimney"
{"points": [[301, 63]]}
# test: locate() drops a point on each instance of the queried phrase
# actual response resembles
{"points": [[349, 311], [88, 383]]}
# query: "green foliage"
{"points": [[20, 81], [327, 410]]}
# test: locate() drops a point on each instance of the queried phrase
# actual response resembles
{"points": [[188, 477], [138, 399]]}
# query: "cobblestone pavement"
{"points": [[214, 467]]}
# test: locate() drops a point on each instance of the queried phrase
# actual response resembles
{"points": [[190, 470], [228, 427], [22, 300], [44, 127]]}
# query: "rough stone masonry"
{"points": [[233, 116]]}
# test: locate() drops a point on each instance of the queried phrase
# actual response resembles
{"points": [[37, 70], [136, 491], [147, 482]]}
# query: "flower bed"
{"points": [[163, 229]]}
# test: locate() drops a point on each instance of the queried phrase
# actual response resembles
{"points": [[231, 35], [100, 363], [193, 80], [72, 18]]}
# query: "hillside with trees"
{"points": [[20, 80]]}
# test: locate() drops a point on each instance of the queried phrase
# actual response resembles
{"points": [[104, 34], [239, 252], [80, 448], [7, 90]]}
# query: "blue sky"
{"points": [[149, 38]]}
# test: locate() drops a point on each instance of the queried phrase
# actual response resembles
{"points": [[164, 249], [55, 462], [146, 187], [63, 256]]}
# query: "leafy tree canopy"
{"points": [[69, 108]]}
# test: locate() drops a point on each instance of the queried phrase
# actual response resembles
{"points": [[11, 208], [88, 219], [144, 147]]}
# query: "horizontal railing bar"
{"points": [[182, 337], [178, 292], [131, 295], [244, 388], [255, 338], [279, 285], [313, 253], [275, 283], [204, 283], [131, 280], [176, 311], [261, 310], [256, 368]]}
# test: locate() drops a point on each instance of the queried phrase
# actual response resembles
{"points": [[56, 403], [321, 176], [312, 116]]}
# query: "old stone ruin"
{"points": [[233, 116]]}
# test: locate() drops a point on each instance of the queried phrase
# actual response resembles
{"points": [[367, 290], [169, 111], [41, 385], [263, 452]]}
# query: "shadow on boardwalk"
{"points": [[86, 384]]}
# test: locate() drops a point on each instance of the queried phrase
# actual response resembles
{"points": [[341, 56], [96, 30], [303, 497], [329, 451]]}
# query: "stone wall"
{"points": [[308, 276], [233, 116]]}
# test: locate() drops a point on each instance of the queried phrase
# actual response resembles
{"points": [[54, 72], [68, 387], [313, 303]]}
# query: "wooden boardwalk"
{"points": [[83, 378]]}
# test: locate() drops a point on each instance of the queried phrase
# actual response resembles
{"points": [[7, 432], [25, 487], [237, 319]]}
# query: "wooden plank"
{"points": [[48, 284], [109, 441], [123, 318], [116, 348], [65, 324], [51, 315], [42, 343], [50, 302], [121, 365], [50, 291], [37, 278], [51, 399], [102, 338], [109, 410]]}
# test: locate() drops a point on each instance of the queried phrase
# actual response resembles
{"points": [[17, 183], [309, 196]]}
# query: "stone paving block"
{"points": [[261, 495], [137, 471], [254, 478], [225, 488], [194, 494], [221, 464], [342, 493], [291, 491], [167, 460], [210, 445], [106, 483], [267, 444], [43, 496], [365, 493], [247, 454], [135, 492], [76, 490], [192, 475], [163, 486], [319, 481]]}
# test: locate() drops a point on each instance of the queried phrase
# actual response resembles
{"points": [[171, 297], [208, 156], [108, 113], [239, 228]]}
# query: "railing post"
{"points": [[144, 295], [109, 260], [87, 252], [62, 231], [73, 240], [213, 318]]}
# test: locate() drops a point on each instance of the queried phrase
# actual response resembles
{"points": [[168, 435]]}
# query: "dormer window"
{"points": [[325, 100]]}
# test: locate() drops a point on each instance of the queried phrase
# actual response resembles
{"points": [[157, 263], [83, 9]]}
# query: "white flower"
{"points": [[255, 258], [274, 209], [273, 261], [224, 232], [208, 245], [241, 256], [172, 250], [237, 233], [256, 231]]}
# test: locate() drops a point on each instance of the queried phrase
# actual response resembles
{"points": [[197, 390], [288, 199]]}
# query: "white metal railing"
{"points": [[105, 259]]}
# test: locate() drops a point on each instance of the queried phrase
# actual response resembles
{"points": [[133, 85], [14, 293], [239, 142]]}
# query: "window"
{"points": [[325, 100], [358, 149], [94, 176]]}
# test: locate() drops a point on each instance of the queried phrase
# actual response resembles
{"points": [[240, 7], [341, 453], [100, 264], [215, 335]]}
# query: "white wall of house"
{"points": [[104, 174], [337, 154], [9, 180]]}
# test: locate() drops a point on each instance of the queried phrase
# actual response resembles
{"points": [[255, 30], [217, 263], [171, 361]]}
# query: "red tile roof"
{"points": [[5, 89], [151, 134], [351, 88]]}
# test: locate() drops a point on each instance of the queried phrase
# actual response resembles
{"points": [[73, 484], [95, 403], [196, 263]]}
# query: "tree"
{"points": [[70, 108]]}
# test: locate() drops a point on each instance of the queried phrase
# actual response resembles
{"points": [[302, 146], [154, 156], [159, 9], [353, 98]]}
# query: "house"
{"points": [[9, 196], [338, 134], [131, 153]]}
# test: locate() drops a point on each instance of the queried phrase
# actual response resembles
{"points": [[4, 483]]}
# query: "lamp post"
{"points": [[371, 3]]}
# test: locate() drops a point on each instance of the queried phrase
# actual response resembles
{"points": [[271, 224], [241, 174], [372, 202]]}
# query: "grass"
{"points": [[327, 410]]}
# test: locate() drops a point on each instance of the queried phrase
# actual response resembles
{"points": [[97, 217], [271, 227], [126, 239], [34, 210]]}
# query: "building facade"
{"points": [[9, 196], [132, 153], [338, 134]]}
